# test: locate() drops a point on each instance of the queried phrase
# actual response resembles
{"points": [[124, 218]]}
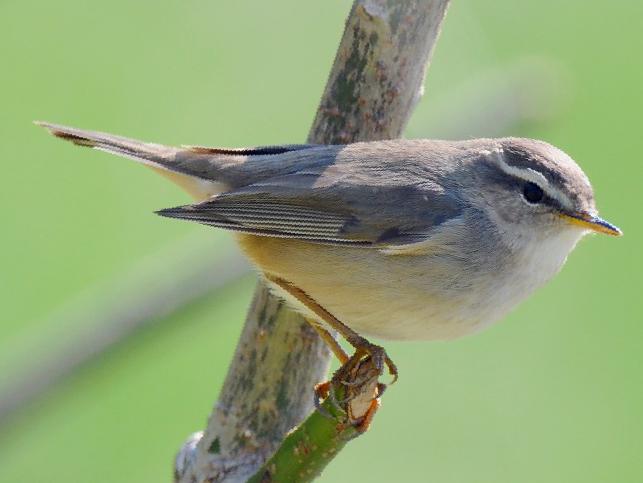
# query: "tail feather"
{"points": [[172, 163], [201, 171], [156, 155]]}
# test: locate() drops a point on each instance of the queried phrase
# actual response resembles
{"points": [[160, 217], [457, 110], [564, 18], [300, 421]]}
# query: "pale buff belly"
{"points": [[384, 296]]}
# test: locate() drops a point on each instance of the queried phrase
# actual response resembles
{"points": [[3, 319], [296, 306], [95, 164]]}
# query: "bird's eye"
{"points": [[532, 193]]}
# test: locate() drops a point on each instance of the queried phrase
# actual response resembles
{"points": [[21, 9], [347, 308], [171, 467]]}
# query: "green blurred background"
{"points": [[553, 394]]}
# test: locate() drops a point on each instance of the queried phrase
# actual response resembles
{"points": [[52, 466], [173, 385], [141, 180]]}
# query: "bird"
{"points": [[395, 239]]}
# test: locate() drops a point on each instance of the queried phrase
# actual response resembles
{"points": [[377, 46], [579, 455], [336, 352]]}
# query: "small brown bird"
{"points": [[400, 239]]}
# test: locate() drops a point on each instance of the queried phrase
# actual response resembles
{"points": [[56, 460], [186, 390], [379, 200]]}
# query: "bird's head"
{"points": [[533, 191]]}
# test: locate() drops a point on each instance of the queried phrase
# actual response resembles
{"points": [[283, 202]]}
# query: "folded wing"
{"points": [[323, 206]]}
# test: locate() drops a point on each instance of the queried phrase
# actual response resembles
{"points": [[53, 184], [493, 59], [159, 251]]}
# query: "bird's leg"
{"points": [[363, 348], [330, 341], [322, 390]]}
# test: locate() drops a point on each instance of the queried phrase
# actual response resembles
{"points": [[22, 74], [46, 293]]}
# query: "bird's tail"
{"points": [[166, 160], [156, 155]]}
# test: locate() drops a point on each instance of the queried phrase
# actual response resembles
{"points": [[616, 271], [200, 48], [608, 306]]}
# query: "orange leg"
{"points": [[363, 347], [330, 341]]}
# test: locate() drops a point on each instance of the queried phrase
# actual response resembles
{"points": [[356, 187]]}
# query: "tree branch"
{"points": [[344, 415], [378, 74], [375, 82]]}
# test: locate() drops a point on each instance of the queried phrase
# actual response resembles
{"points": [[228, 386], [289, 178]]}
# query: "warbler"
{"points": [[397, 239]]}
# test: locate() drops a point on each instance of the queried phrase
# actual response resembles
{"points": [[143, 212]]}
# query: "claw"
{"points": [[381, 359], [381, 387], [321, 392], [355, 383], [392, 369], [344, 375]]}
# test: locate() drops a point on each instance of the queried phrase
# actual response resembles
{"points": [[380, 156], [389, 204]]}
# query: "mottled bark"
{"points": [[375, 82], [378, 74], [267, 391]]}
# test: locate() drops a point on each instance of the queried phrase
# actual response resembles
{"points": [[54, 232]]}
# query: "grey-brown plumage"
{"points": [[433, 238]]}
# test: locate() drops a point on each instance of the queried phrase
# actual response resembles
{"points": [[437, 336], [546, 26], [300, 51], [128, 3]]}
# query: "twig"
{"points": [[309, 448], [375, 82]]}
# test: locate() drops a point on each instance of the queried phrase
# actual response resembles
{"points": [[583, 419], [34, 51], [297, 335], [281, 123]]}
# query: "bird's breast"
{"points": [[437, 296]]}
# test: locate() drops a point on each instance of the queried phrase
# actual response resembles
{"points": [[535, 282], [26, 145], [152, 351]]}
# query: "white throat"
{"points": [[534, 265], [542, 259]]}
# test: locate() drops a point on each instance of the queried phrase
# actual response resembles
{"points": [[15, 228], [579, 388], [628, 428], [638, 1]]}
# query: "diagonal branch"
{"points": [[378, 74], [375, 82]]}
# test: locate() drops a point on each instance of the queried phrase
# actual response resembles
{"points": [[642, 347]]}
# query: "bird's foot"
{"points": [[355, 388], [325, 390], [365, 351]]}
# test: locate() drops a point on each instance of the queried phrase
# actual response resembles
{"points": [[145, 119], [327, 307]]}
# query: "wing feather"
{"points": [[267, 216], [338, 205]]}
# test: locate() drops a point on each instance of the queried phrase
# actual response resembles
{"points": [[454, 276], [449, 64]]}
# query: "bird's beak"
{"points": [[590, 222]]}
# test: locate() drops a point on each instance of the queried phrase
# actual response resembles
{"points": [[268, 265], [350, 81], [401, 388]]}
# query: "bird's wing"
{"points": [[322, 206]]}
